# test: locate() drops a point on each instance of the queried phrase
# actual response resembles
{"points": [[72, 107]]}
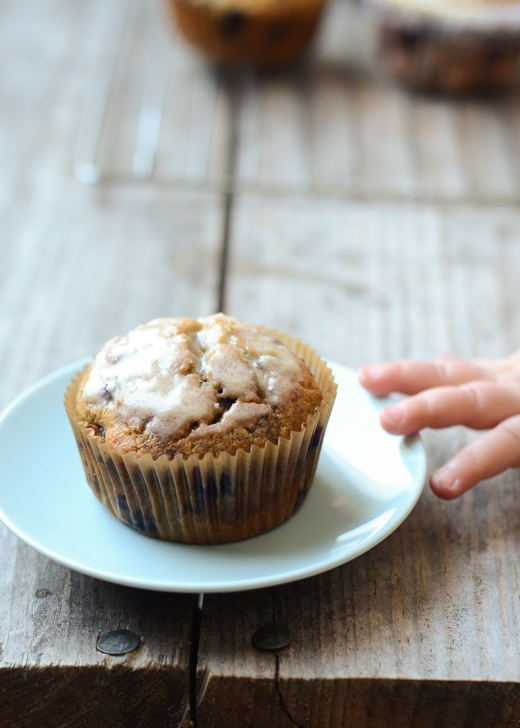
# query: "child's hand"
{"points": [[480, 393]]}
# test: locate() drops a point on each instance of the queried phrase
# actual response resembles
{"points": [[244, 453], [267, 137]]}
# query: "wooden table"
{"points": [[374, 224]]}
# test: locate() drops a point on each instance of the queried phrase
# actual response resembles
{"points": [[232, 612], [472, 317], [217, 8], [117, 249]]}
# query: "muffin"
{"points": [[262, 32], [448, 45], [201, 430]]}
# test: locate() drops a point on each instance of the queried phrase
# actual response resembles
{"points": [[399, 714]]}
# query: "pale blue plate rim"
{"points": [[221, 581]]}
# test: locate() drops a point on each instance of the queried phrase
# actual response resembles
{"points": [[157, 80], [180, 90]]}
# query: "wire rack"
{"points": [[156, 112]]}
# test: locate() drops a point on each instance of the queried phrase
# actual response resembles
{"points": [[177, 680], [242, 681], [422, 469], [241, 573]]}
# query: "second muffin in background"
{"points": [[201, 431], [260, 32], [452, 46]]}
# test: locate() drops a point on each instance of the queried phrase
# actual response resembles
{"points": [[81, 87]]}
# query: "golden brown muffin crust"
{"points": [[196, 386], [264, 32]]}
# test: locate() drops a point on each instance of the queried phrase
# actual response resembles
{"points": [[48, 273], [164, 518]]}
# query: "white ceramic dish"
{"points": [[366, 484]]}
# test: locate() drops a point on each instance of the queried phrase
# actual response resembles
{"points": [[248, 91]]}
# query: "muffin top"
{"points": [[195, 386], [500, 12]]}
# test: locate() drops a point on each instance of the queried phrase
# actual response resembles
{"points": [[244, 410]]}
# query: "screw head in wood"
{"points": [[271, 637], [118, 642], [41, 593]]}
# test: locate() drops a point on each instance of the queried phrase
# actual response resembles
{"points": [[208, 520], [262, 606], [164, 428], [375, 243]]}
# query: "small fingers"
{"points": [[410, 377], [480, 405], [484, 458], [504, 368]]}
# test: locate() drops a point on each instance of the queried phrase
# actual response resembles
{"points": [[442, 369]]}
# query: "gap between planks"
{"points": [[231, 82]]}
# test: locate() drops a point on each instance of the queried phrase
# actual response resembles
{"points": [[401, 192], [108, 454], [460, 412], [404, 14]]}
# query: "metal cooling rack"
{"points": [[156, 112]]}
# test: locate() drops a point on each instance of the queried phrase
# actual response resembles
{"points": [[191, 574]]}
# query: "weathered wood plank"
{"points": [[424, 629], [50, 671], [328, 125], [98, 263], [162, 92], [80, 265], [489, 151], [91, 276], [92, 266], [359, 702], [439, 152], [325, 124], [35, 82]]}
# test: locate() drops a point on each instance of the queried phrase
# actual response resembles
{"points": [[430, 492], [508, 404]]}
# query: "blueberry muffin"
{"points": [[448, 45], [201, 430], [261, 32]]}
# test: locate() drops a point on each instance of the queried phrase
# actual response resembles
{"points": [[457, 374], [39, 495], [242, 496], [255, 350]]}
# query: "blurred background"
{"points": [[139, 179]]}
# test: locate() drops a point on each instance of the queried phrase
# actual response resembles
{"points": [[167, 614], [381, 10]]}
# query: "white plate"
{"points": [[366, 484]]}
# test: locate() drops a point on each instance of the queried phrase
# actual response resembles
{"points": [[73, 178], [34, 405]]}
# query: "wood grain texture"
{"points": [[327, 124], [155, 72], [332, 126], [80, 265], [369, 281], [91, 271], [424, 629], [358, 702], [50, 671], [67, 292]]}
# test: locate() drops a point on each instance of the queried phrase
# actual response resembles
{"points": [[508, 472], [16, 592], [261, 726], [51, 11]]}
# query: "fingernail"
{"points": [[371, 372], [395, 414], [446, 478]]}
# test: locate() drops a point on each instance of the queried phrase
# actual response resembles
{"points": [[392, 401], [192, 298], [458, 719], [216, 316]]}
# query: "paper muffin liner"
{"points": [[211, 499], [267, 34]]}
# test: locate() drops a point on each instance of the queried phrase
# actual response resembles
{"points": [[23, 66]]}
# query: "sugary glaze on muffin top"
{"points": [[194, 386], [476, 11]]}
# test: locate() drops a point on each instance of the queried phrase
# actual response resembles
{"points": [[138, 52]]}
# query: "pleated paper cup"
{"points": [[211, 499]]}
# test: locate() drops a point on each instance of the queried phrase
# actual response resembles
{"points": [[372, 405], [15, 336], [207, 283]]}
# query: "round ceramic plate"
{"points": [[367, 482]]}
